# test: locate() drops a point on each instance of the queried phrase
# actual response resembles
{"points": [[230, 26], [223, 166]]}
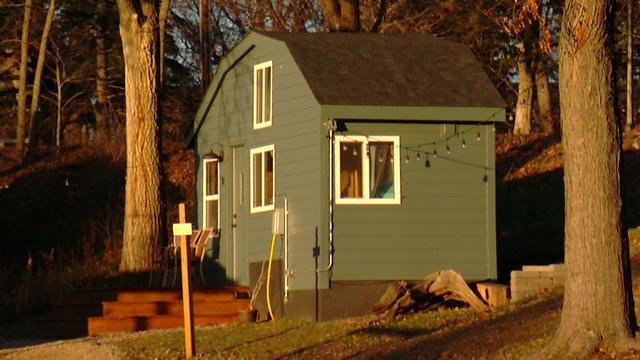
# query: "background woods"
{"points": [[65, 119]]}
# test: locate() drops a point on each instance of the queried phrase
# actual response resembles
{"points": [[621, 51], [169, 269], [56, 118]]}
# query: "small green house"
{"points": [[373, 155]]}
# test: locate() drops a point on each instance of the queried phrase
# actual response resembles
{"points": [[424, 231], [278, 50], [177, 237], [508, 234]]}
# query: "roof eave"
{"points": [[488, 114]]}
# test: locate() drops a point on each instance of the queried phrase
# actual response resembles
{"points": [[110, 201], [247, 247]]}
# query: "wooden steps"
{"points": [[135, 310], [108, 311]]}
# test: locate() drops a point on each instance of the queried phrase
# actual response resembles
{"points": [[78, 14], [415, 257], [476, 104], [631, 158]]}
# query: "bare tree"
{"points": [[143, 206], [35, 94], [102, 91], [598, 307], [528, 25], [21, 126]]}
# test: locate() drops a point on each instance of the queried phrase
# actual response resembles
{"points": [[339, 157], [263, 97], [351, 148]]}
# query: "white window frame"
{"points": [[262, 150], [206, 197], [264, 123], [365, 140]]}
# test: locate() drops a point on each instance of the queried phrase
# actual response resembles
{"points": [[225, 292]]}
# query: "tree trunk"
{"points": [[164, 12], [522, 125], [102, 92], [204, 45], [544, 97], [142, 220], [629, 112], [59, 86], [598, 303], [21, 126], [35, 94], [435, 289], [341, 15], [331, 13], [349, 15]]}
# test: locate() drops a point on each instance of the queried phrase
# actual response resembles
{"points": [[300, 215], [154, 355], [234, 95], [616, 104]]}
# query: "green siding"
{"points": [[297, 159], [445, 219], [447, 215]]}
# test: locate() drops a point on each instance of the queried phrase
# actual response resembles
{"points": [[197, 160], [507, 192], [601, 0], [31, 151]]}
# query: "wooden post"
{"points": [[189, 338]]}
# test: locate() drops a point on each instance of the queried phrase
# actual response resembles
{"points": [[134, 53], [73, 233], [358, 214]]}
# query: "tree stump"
{"points": [[411, 296]]}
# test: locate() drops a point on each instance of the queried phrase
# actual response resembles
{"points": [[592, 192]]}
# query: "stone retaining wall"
{"points": [[536, 279]]}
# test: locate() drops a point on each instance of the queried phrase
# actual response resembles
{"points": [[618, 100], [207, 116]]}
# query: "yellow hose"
{"points": [[273, 242]]}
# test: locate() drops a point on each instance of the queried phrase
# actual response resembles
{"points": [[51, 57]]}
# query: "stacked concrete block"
{"points": [[536, 279]]}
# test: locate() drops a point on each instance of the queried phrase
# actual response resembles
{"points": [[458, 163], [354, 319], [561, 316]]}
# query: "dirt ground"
{"points": [[80, 349]]}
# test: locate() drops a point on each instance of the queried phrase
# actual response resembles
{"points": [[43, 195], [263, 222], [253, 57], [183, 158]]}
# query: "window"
{"points": [[211, 194], [262, 178], [365, 170], [262, 92]]}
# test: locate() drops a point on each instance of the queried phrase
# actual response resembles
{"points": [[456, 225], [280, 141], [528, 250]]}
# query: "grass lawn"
{"points": [[453, 333], [463, 333]]}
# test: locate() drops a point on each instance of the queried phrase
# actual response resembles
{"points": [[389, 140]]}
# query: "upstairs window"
{"points": [[366, 170], [262, 91], [262, 178]]}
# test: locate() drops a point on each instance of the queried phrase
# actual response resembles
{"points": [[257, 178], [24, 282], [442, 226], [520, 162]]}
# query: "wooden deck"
{"points": [[97, 312]]}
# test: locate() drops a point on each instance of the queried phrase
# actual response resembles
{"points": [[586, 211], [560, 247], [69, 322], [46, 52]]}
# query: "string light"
{"points": [[460, 132], [344, 147], [485, 178]]}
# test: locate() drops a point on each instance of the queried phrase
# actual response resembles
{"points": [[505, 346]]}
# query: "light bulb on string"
{"points": [[406, 160], [435, 151], [464, 143], [485, 178], [427, 163], [478, 136], [493, 127], [344, 147], [418, 156], [355, 152], [380, 158], [448, 149]]}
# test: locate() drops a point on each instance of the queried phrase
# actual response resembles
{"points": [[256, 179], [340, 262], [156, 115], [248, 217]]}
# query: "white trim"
{"points": [[366, 199], [264, 123], [206, 197], [262, 150]]}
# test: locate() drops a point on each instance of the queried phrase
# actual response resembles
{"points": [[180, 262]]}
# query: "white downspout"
{"points": [[286, 250], [332, 127]]}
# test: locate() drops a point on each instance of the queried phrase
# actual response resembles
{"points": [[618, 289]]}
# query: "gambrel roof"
{"points": [[389, 76], [389, 70]]}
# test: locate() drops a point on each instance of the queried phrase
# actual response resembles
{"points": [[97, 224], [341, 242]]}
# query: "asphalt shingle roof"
{"points": [[390, 70]]}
